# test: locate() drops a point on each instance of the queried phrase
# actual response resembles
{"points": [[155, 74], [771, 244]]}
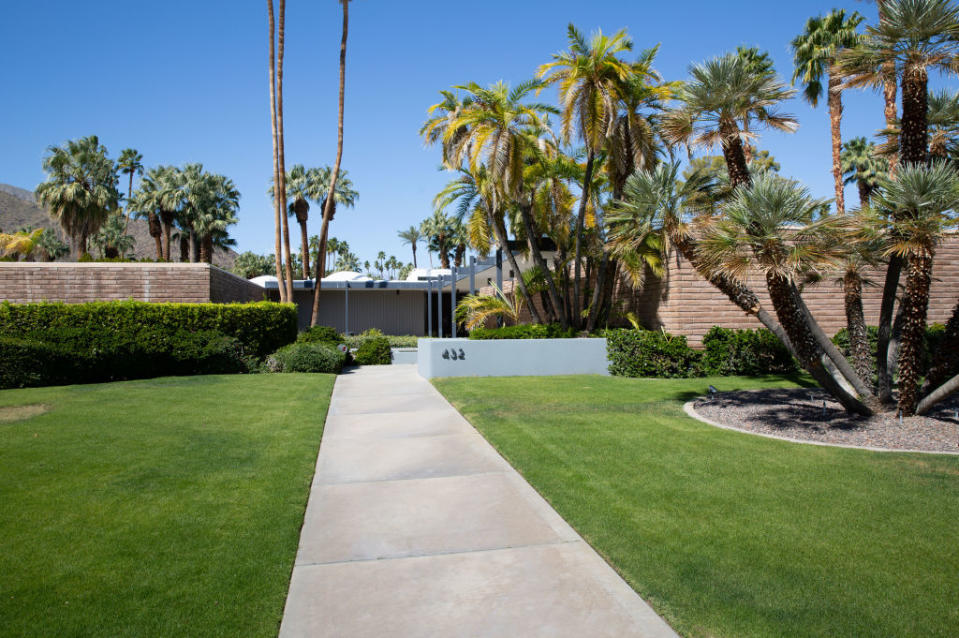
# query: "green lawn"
{"points": [[167, 507], [728, 534]]}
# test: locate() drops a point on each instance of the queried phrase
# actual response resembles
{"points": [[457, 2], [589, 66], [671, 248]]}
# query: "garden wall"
{"points": [[683, 303], [510, 357], [27, 282]]}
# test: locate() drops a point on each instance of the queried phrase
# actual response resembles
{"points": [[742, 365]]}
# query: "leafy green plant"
{"points": [[745, 352], [646, 353], [319, 334], [524, 331], [306, 357], [374, 350]]}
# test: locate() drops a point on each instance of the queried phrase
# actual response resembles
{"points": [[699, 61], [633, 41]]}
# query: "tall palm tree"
{"points": [[328, 204], [410, 237], [862, 166], [589, 75], [81, 188], [284, 272], [438, 228], [213, 201], [147, 202], [921, 196], [815, 53], [912, 38], [130, 163], [749, 235]]}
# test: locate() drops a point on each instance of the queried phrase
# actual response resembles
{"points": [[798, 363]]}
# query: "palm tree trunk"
{"points": [[594, 303], [153, 222], [945, 361], [129, 195], [865, 193], [328, 204], [414, 255], [835, 117], [284, 223], [806, 347], [305, 249], [578, 251], [184, 248], [889, 98], [944, 391], [734, 155], [856, 324], [500, 229], [206, 249], [167, 232], [555, 312], [915, 306], [277, 211], [913, 139]]}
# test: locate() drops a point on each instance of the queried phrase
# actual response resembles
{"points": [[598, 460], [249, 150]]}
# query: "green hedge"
{"points": [[373, 350], [745, 352], [646, 353], [524, 331], [320, 334], [261, 328]]}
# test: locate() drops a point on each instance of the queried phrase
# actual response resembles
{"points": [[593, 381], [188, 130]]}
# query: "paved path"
{"points": [[417, 527]]}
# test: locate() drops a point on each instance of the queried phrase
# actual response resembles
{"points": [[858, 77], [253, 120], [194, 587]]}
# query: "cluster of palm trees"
{"points": [[606, 186], [192, 206], [445, 235]]}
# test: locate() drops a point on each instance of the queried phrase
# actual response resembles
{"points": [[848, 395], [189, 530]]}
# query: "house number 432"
{"points": [[451, 353]]}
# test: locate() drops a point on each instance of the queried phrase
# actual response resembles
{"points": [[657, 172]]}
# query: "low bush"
{"points": [[306, 357], [25, 363], [261, 328], [396, 341], [524, 331], [374, 350], [320, 334], [645, 353], [745, 352]]}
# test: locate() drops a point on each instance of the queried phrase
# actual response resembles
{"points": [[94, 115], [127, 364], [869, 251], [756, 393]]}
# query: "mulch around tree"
{"points": [[806, 414]]}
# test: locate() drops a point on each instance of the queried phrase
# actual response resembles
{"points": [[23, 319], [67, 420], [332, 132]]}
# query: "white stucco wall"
{"points": [[510, 357]]}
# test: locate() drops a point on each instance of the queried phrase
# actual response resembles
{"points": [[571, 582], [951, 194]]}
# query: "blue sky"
{"points": [[186, 81]]}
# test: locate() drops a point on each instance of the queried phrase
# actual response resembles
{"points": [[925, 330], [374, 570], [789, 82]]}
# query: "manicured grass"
{"points": [[728, 534], [167, 507]]}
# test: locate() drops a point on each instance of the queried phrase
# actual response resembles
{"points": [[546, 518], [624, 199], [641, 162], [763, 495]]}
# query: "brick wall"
{"points": [[26, 282], [684, 303]]}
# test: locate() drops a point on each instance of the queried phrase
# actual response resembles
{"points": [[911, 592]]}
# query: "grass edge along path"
{"points": [[161, 507], [724, 533]]}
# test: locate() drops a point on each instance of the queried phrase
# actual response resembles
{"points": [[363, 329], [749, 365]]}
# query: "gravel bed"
{"points": [[799, 413]]}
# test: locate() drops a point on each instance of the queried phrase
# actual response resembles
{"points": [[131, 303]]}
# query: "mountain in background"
{"points": [[19, 209]]}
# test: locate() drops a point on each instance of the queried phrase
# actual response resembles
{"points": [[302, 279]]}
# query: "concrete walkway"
{"points": [[417, 527]]}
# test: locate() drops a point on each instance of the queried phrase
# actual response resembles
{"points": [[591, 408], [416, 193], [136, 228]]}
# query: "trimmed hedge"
{"points": [[396, 341], [306, 357], [524, 331], [320, 334], [374, 350], [745, 352], [646, 353], [261, 328]]}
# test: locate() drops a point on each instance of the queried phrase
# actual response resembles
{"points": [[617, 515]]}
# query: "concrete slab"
{"points": [[416, 526]]}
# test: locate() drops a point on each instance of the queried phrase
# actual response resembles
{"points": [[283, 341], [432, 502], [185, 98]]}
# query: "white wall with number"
{"points": [[510, 357]]}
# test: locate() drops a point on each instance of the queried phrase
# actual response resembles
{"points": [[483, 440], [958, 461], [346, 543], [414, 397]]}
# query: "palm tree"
{"points": [[50, 247], [130, 163], [284, 272], [912, 38], [919, 198], [749, 235], [328, 204], [112, 239], [589, 76], [81, 188], [343, 192], [147, 202], [410, 237], [815, 53], [249, 265], [215, 201], [861, 165], [438, 227], [722, 94]]}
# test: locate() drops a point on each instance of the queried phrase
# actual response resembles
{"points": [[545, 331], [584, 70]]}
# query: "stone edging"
{"points": [[691, 411]]}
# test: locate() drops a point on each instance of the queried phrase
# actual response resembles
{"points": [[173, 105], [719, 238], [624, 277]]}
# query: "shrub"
{"points": [[373, 351], [524, 331], [306, 357], [396, 341], [320, 334], [260, 327], [745, 352], [26, 363], [644, 353]]}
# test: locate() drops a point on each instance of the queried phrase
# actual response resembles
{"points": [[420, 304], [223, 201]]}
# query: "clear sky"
{"points": [[186, 81]]}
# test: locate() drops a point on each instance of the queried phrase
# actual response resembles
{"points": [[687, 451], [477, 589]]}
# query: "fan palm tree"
{"points": [[439, 228], [146, 202], [329, 202], [921, 196], [723, 94], [130, 163], [590, 76], [50, 247], [410, 237], [862, 166], [913, 37], [215, 201], [750, 236], [112, 239], [815, 53], [81, 188]]}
